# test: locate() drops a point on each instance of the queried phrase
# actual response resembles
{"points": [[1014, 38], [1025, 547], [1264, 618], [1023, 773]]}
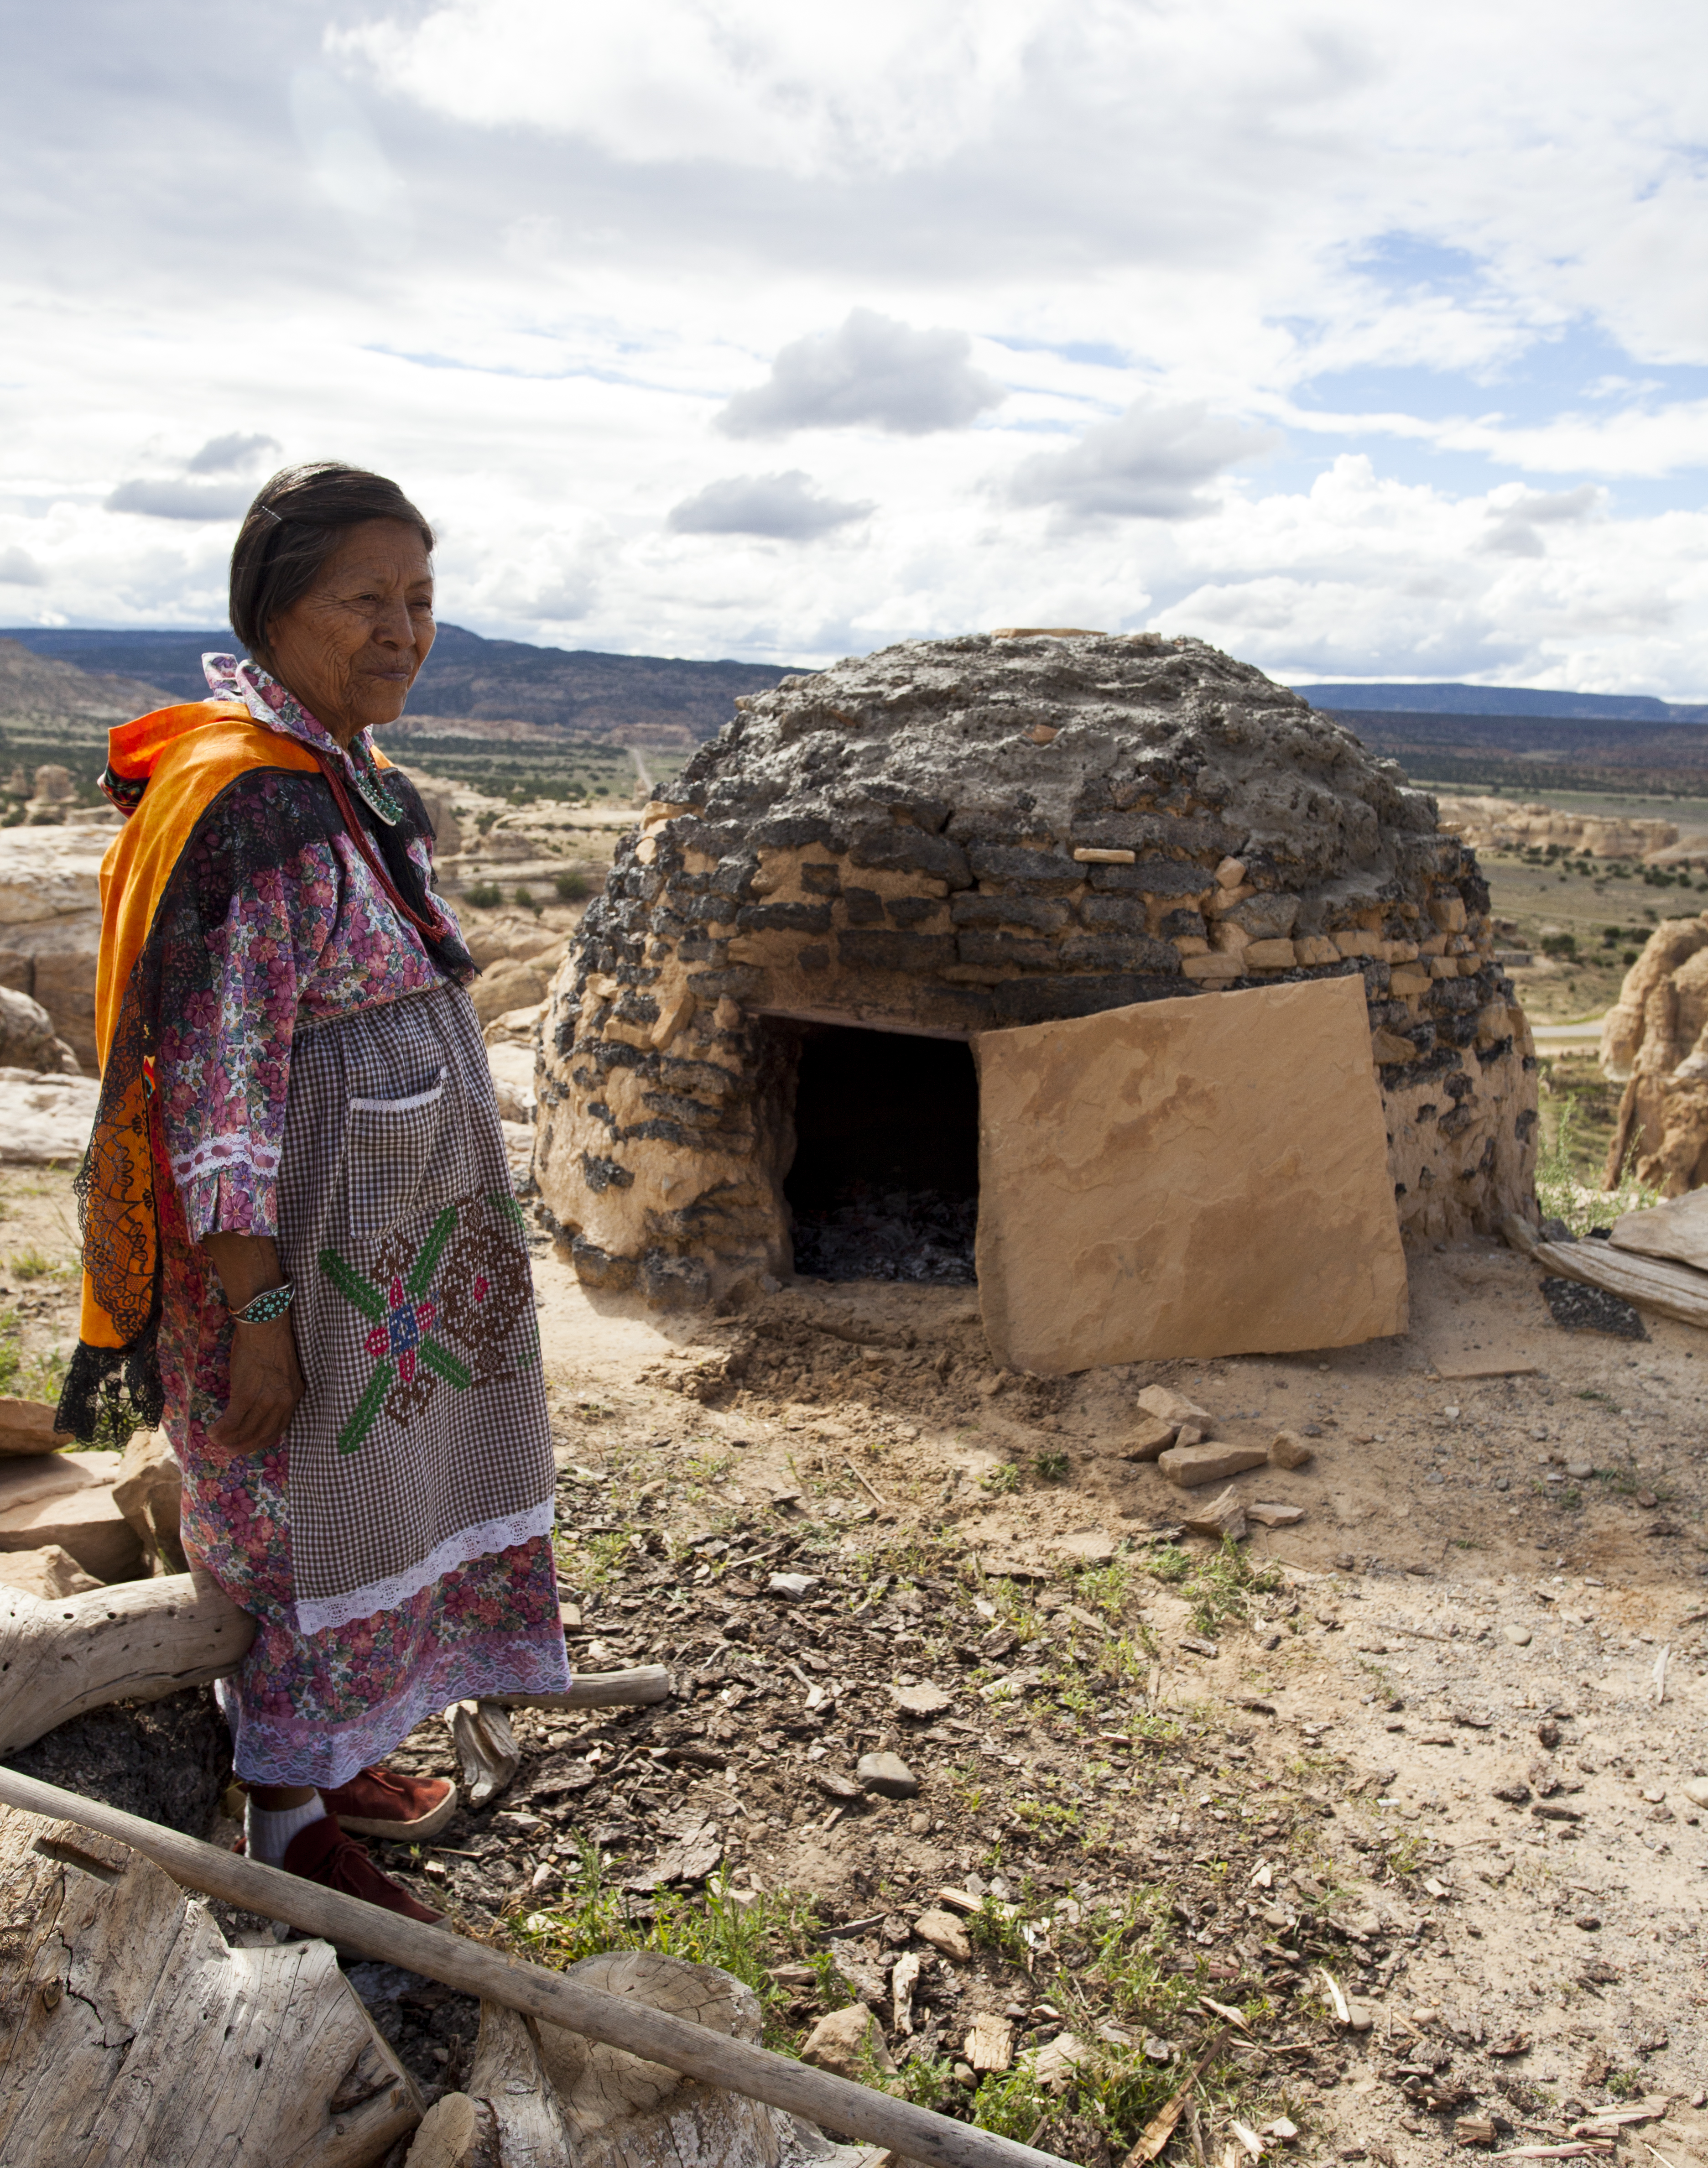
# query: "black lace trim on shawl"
{"points": [[257, 824]]}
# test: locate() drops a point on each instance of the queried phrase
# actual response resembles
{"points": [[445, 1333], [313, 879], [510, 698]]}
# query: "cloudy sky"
{"points": [[1365, 340]]}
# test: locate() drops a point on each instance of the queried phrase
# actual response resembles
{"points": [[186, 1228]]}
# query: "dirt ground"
{"points": [[1426, 1750], [1415, 1744]]}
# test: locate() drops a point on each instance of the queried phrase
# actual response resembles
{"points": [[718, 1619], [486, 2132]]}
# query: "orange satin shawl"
{"points": [[187, 756]]}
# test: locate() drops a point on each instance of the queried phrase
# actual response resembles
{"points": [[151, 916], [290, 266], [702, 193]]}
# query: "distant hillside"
{"points": [[37, 690], [1527, 753], [1506, 700], [621, 699]]}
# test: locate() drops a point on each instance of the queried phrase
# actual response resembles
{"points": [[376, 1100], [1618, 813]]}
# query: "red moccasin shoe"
{"points": [[322, 1853], [379, 1802]]}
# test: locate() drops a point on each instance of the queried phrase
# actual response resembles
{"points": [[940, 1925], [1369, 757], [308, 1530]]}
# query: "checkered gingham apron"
{"points": [[422, 1439]]}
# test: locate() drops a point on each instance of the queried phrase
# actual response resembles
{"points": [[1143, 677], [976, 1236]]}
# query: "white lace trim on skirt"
{"points": [[316, 1614]]}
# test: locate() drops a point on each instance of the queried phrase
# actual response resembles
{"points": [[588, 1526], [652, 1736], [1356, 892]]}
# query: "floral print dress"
{"points": [[315, 960]]}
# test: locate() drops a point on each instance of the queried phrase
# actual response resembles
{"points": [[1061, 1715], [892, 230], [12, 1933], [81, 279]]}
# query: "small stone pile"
{"points": [[955, 835]]}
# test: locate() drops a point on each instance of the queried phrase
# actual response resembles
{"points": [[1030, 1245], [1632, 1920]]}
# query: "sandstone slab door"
{"points": [[1208, 1176]]}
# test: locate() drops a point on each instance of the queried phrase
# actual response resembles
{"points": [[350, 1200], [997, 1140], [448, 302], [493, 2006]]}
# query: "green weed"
{"points": [[1051, 1467], [1561, 1193], [746, 1940], [1002, 1480]]}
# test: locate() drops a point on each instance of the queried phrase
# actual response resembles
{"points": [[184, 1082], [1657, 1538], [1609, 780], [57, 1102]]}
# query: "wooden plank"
{"points": [[1670, 1290]]}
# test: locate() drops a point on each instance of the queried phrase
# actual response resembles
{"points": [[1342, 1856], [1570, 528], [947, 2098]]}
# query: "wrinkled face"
{"points": [[350, 648]]}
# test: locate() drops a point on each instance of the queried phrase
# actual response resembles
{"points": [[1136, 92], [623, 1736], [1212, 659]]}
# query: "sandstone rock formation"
{"points": [[46, 1118], [50, 926], [28, 1039], [949, 837], [1500, 824], [1654, 1039]]}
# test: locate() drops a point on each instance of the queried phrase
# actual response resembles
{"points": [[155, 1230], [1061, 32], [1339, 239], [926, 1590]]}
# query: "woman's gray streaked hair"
{"points": [[290, 530]]}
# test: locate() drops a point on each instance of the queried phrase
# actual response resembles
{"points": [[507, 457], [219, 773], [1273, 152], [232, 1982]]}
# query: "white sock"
{"points": [[266, 1836]]}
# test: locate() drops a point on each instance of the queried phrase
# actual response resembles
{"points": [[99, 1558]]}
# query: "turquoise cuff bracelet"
{"points": [[266, 1307]]}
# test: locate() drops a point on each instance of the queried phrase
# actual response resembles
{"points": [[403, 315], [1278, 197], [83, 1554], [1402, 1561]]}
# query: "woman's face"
{"points": [[350, 648]]}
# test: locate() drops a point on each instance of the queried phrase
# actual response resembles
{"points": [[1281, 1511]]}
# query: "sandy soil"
{"points": [[1461, 1615]]}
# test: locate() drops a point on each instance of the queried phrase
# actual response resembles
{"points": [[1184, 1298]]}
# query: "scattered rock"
{"points": [[1173, 1408], [27, 1428], [1580, 1471], [66, 1500], [46, 1573], [1287, 1449], [1199, 1648], [849, 2043], [792, 1586], [1518, 1636], [1276, 1516], [1223, 1517], [1476, 2129], [1189, 1467], [1090, 1547], [1548, 1732], [1695, 1791], [1589, 1921], [1150, 1436], [28, 1038], [887, 1775], [44, 1118], [834, 1786], [921, 1701], [1053, 2065], [149, 1493], [946, 1934]]}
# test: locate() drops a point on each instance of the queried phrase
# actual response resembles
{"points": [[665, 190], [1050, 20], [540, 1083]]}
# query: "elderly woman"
{"points": [[301, 1250]]}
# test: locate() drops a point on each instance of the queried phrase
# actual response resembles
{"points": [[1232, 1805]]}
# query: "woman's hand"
{"points": [[266, 1380]]}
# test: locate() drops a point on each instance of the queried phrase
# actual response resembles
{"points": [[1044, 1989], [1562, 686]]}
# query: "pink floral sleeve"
{"points": [[311, 940]]}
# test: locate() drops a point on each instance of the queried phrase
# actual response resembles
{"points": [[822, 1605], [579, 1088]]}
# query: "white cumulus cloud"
{"points": [[1153, 462], [768, 83], [871, 371], [18, 569], [784, 507], [169, 498]]}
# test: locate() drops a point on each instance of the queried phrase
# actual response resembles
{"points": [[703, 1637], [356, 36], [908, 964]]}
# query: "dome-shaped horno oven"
{"points": [[758, 1059]]}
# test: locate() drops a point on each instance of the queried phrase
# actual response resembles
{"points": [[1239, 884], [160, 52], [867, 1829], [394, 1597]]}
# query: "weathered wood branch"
{"points": [[130, 2031], [1675, 1291], [636, 1689], [138, 1640], [553, 1998]]}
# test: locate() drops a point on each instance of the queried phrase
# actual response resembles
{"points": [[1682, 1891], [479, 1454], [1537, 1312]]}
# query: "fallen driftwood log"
{"points": [[556, 1999], [140, 1640], [1675, 1291], [538, 2094], [130, 2031]]}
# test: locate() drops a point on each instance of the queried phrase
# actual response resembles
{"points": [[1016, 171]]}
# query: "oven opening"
{"points": [[884, 1183]]}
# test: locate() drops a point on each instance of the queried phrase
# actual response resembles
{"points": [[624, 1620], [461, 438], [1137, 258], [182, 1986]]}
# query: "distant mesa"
{"points": [[1499, 701], [509, 683]]}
